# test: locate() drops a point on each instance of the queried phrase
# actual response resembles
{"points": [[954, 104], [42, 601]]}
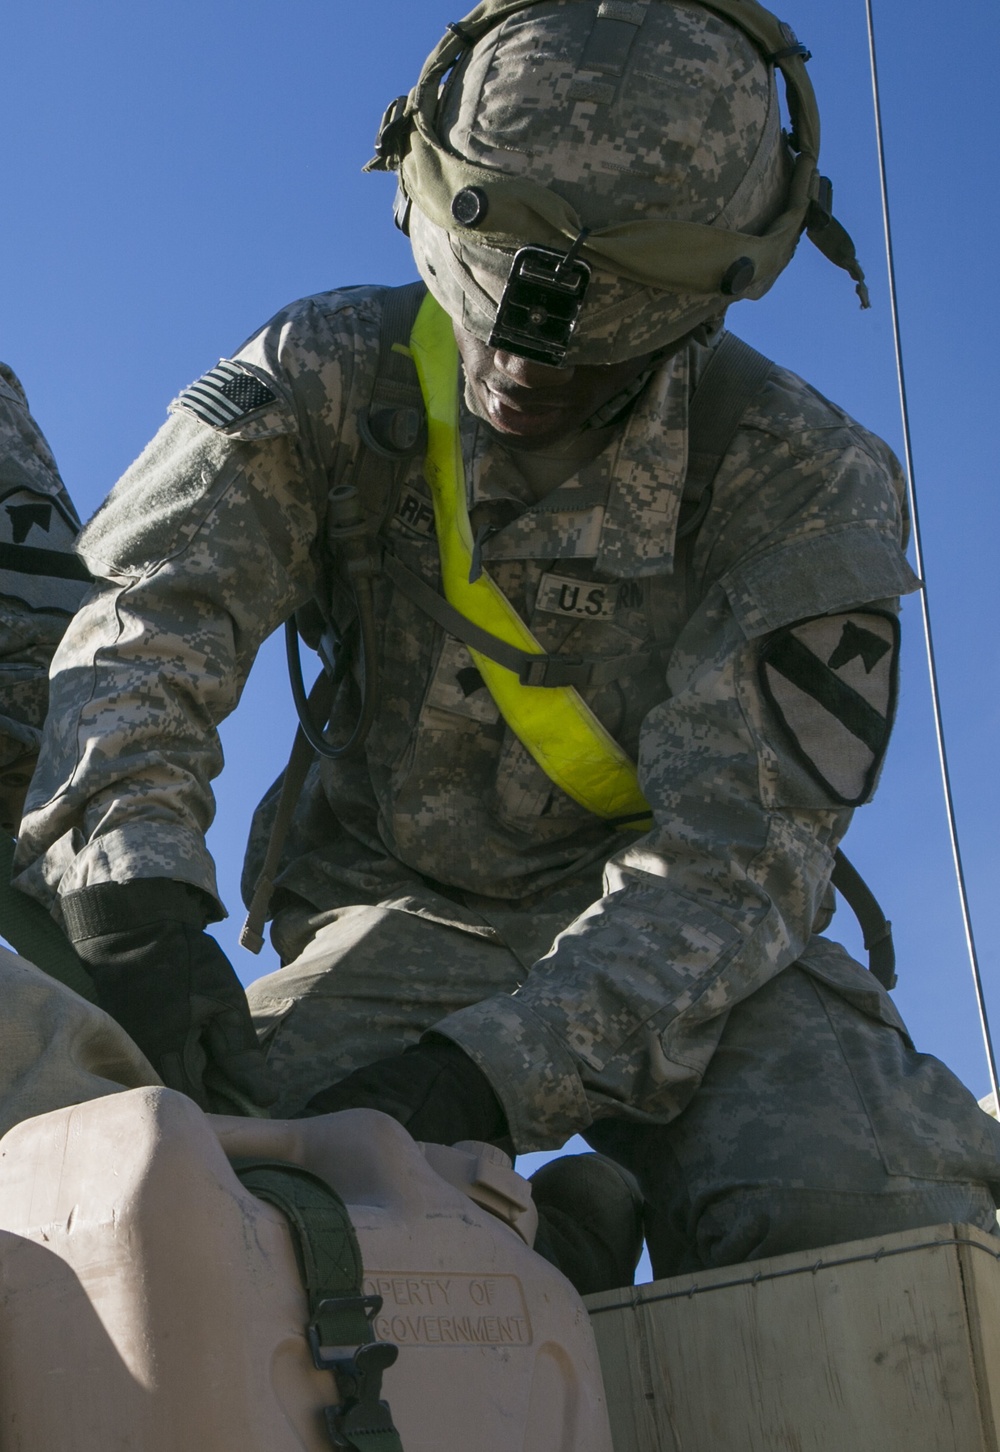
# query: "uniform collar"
{"points": [[619, 509], [644, 501]]}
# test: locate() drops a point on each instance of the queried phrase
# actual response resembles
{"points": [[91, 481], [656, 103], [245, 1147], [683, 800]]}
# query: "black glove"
{"points": [[433, 1089], [171, 987]]}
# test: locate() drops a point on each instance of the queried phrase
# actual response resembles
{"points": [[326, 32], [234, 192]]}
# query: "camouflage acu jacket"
{"points": [[35, 511], [765, 637]]}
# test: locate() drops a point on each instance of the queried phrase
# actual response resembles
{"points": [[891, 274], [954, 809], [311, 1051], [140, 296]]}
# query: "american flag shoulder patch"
{"points": [[832, 683], [225, 394]]}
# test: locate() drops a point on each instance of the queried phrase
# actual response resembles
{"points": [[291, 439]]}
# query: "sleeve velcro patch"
{"points": [[832, 682], [224, 395]]}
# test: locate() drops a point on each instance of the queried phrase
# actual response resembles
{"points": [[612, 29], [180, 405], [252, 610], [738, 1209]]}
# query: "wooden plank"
{"points": [[864, 1347], [637, 1390], [978, 1259]]}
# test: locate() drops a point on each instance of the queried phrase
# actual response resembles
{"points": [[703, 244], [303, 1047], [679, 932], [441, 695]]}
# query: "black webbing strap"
{"points": [[339, 1329], [730, 381], [875, 926], [531, 670], [56, 564], [292, 781], [392, 423]]}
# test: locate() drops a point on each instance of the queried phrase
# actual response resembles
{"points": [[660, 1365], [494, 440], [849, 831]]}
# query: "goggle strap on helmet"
{"points": [[657, 253], [836, 244]]}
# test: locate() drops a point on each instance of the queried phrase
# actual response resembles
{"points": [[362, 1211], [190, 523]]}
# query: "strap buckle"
{"points": [[362, 1420], [820, 213], [390, 143], [347, 531], [553, 670], [369, 1306]]}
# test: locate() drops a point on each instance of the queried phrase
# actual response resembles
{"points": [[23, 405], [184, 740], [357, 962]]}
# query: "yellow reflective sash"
{"points": [[554, 723]]}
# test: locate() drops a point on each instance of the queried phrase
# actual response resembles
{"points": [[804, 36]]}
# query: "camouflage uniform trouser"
{"points": [[814, 1124]]}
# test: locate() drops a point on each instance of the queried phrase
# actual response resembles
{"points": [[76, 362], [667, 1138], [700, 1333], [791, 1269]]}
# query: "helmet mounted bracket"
{"points": [[541, 302]]}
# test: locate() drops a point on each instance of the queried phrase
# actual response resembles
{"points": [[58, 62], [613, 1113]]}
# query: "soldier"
{"points": [[631, 540], [41, 584]]}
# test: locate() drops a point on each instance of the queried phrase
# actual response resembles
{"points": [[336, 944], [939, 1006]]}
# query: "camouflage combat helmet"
{"points": [[589, 180]]}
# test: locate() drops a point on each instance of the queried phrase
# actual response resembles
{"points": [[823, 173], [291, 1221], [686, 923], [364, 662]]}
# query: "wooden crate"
{"points": [[886, 1345]]}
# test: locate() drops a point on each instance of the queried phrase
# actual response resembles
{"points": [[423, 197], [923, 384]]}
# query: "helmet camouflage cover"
{"points": [[648, 132]]}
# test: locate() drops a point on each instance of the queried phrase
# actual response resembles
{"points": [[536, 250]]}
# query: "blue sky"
{"points": [[176, 173]]}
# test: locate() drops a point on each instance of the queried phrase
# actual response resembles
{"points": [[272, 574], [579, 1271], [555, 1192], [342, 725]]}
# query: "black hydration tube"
{"points": [[349, 533]]}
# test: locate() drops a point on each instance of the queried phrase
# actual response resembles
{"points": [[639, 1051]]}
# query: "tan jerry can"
{"points": [[149, 1303], [884, 1345]]}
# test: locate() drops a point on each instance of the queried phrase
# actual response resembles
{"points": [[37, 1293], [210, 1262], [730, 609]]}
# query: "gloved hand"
{"points": [[433, 1089], [171, 987], [15, 778]]}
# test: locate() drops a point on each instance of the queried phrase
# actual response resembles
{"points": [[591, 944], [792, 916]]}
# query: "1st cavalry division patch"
{"points": [[225, 394], [832, 682]]}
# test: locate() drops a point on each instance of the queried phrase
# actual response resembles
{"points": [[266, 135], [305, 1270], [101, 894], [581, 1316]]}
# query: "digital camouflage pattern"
{"points": [[35, 510], [799, 1134], [574, 97], [598, 977], [210, 540], [816, 1122], [369, 982]]}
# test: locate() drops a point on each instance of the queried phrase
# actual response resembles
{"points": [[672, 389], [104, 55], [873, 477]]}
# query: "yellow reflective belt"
{"points": [[554, 723]]}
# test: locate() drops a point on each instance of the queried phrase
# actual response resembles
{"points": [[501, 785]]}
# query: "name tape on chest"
{"points": [[832, 683], [225, 394], [415, 513], [587, 599]]}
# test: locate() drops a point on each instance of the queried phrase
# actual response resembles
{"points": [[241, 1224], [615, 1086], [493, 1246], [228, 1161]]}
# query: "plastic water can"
{"points": [[149, 1303]]}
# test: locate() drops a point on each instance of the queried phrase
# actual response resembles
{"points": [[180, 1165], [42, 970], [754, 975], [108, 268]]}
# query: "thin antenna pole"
{"points": [[949, 800]]}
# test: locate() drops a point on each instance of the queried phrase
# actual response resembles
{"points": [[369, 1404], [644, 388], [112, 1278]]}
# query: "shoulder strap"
{"points": [[731, 380], [392, 423]]}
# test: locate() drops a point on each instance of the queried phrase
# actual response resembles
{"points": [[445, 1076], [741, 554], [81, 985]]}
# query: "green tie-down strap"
{"points": [[339, 1329]]}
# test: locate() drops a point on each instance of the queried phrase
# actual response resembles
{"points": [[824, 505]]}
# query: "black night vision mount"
{"points": [[541, 303]]}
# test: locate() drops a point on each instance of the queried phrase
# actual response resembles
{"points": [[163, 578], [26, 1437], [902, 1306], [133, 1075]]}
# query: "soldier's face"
{"points": [[533, 405]]}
